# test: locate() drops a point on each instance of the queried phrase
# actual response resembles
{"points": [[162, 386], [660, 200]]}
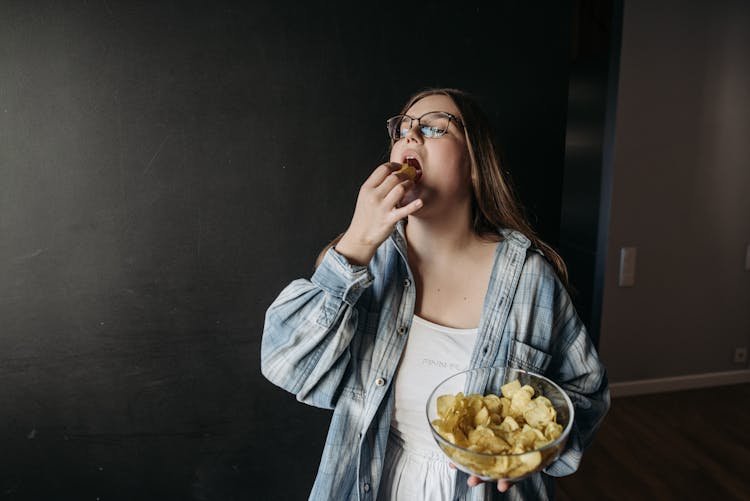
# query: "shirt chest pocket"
{"points": [[527, 357]]}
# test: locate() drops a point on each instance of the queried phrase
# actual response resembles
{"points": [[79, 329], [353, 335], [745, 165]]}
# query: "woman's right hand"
{"points": [[376, 213]]}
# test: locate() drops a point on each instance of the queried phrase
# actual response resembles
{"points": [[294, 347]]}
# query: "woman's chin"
{"points": [[416, 192], [409, 197]]}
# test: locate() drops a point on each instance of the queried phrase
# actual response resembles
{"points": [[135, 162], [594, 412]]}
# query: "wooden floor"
{"points": [[683, 445]]}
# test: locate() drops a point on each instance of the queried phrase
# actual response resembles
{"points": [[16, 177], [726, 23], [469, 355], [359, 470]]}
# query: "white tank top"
{"points": [[432, 353]]}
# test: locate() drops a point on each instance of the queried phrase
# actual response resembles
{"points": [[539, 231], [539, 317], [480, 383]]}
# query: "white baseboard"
{"points": [[677, 383]]}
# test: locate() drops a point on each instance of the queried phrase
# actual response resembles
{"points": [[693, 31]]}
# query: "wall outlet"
{"points": [[627, 266], [740, 355]]}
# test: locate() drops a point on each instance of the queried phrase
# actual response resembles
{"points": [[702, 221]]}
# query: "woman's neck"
{"points": [[447, 235]]}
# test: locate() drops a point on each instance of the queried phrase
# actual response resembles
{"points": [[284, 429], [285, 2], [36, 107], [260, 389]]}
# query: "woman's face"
{"points": [[445, 162]]}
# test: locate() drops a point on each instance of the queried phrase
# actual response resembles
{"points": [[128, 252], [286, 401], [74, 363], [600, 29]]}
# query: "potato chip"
{"points": [[510, 388], [445, 402], [539, 412], [552, 431], [482, 417], [520, 401], [509, 424], [493, 403]]}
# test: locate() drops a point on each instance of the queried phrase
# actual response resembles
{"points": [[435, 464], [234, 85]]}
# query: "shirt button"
{"points": [[401, 331], [379, 382], [407, 283], [366, 487]]}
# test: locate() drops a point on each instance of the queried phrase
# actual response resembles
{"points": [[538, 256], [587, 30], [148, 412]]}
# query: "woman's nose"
{"points": [[413, 133]]}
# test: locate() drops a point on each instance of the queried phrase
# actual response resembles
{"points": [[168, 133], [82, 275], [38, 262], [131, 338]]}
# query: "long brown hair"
{"points": [[494, 203]]}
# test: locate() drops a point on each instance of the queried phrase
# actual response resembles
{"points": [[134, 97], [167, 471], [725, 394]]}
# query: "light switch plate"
{"points": [[627, 266]]}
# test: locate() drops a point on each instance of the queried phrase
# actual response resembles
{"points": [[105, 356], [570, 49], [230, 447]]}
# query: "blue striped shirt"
{"points": [[335, 341]]}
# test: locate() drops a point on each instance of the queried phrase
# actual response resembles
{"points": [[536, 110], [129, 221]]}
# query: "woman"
{"points": [[431, 277]]}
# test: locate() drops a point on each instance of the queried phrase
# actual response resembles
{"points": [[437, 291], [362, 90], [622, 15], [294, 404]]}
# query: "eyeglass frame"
{"points": [[451, 118]]}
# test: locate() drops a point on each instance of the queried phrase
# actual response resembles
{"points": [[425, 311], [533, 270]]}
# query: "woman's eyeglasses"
{"points": [[431, 124]]}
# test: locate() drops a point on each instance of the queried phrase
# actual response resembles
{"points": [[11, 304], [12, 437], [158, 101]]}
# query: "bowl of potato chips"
{"points": [[514, 428]]}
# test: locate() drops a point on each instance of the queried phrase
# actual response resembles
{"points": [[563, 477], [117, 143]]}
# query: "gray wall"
{"points": [[680, 191]]}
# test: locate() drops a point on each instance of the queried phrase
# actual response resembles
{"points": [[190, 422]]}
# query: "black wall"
{"points": [[165, 169], [589, 145]]}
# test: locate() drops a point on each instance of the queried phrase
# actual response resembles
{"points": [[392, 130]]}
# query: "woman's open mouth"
{"points": [[411, 168]]}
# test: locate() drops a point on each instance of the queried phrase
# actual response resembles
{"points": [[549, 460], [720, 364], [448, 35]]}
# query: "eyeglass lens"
{"points": [[433, 124]]}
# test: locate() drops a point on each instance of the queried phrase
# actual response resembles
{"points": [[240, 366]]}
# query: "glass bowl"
{"points": [[501, 466]]}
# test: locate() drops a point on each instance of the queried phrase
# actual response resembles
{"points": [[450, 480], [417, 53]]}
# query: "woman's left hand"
{"points": [[473, 481], [502, 485]]}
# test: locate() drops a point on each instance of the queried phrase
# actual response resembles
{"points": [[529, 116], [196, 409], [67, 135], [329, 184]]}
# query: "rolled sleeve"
{"points": [[340, 279], [308, 330]]}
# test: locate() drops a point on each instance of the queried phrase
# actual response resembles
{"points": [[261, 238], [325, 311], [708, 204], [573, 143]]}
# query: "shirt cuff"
{"points": [[341, 279]]}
